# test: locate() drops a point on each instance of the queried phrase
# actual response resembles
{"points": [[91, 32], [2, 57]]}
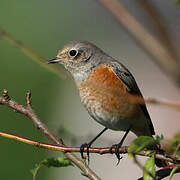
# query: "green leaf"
{"points": [[59, 162], [172, 172], [177, 2], [148, 153], [173, 145], [140, 143], [149, 167], [51, 162]]}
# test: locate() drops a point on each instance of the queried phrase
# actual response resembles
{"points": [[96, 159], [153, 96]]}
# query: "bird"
{"points": [[105, 86]]}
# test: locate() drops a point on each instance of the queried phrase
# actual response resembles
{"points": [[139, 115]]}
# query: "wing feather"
{"points": [[123, 73]]}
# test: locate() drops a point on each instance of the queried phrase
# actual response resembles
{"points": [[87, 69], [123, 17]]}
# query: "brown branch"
{"points": [[101, 151], [165, 172], [34, 56], [155, 101], [153, 46], [160, 25], [5, 100], [59, 146]]}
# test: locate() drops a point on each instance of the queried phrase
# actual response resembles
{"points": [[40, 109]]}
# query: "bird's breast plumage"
{"points": [[106, 98]]}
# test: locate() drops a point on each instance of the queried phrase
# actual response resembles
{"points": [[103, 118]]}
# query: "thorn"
{"points": [[28, 98]]}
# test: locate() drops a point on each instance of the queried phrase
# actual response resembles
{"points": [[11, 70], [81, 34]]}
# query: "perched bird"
{"points": [[105, 87]]}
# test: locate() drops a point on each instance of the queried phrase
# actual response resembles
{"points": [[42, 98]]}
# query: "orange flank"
{"points": [[105, 88]]}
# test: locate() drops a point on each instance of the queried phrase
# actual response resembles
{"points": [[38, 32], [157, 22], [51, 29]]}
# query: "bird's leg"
{"points": [[117, 146], [88, 145]]}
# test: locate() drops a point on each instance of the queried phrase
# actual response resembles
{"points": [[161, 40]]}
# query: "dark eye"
{"points": [[72, 52]]}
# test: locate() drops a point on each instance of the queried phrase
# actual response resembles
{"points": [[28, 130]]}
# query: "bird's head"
{"points": [[79, 58]]}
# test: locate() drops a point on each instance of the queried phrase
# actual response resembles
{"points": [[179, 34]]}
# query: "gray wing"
{"points": [[123, 73]]}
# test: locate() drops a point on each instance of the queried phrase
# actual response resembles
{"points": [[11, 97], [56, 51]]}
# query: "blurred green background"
{"points": [[45, 26]]}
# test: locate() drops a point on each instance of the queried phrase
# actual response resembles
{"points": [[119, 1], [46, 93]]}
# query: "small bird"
{"points": [[105, 87]]}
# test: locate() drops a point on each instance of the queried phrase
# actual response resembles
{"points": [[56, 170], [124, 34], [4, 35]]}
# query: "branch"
{"points": [[5, 100], [160, 25], [153, 46], [101, 151], [155, 101], [162, 173], [34, 56], [59, 146]]}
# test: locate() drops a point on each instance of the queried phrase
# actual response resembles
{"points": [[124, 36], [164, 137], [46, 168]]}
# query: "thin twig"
{"points": [[162, 173], [155, 101], [153, 46], [160, 25], [34, 56], [101, 151], [31, 115]]}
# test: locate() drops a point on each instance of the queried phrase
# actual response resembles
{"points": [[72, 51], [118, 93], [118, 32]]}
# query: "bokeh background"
{"points": [[45, 26]]}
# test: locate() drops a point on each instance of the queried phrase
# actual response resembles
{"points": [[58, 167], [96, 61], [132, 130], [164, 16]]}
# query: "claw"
{"points": [[85, 145], [111, 148], [82, 150], [116, 152], [117, 146]]}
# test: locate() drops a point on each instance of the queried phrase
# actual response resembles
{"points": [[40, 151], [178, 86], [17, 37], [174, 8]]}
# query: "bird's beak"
{"points": [[55, 60]]}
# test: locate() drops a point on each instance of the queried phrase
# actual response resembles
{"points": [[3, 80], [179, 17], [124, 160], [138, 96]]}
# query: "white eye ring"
{"points": [[73, 52]]}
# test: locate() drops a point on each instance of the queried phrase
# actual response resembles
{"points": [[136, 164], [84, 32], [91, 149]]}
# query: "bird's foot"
{"points": [[85, 145], [116, 151]]}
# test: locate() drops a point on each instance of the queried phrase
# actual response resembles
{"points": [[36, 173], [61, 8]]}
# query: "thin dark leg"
{"points": [[88, 145], [117, 146]]}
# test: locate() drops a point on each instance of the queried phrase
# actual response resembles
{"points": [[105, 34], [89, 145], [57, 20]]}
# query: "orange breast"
{"points": [[105, 76], [104, 92]]}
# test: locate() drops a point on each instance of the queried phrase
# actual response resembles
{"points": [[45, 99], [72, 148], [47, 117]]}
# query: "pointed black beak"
{"points": [[55, 60]]}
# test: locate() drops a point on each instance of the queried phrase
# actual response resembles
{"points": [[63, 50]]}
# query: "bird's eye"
{"points": [[73, 52]]}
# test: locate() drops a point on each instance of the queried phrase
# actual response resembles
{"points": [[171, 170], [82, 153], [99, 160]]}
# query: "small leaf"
{"points": [[149, 167], [34, 171], [148, 153], [140, 143], [59, 162], [51, 162], [172, 172]]}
